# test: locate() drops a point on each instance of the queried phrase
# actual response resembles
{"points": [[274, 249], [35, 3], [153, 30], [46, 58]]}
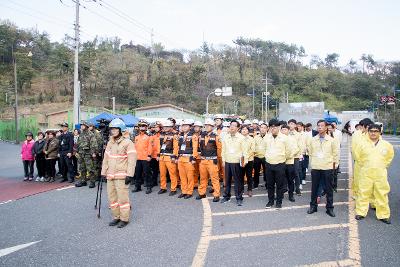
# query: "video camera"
{"points": [[104, 129]]}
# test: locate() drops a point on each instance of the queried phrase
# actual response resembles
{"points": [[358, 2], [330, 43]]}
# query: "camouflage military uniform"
{"points": [[98, 150], [86, 147]]}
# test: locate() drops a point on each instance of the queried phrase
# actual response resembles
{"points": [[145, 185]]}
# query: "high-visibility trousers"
{"points": [[356, 176], [373, 184], [208, 169], [186, 174], [197, 172], [166, 165], [118, 199]]}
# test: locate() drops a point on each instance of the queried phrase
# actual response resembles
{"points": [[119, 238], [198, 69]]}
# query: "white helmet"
{"points": [[261, 122], [167, 123], [255, 121], [246, 122], [225, 124], [198, 123], [239, 121], [187, 122], [210, 122], [218, 116]]}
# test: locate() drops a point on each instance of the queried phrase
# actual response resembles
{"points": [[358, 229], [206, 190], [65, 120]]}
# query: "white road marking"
{"points": [[264, 195], [279, 231], [9, 250], [269, 210], [204, 242], [339, 263], [64, 188], [5, 202]]}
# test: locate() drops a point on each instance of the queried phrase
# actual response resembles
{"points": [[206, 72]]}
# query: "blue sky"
{"points": [[349, 28]]}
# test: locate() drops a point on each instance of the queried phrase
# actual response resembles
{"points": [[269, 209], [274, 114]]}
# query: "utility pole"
{"points": [[77, 90], [266, 97], [113, 104], [16, 95]]}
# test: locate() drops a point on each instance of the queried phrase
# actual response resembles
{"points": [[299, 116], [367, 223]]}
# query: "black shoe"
{"points": [[211, 190], [330, 213], [80, 184], [278, 205], [216, 199], [387, 221], [52, 180], [92, 184], [114, 222], [122, 224], [291, 199], [148, 190], [311, 210], [335, 189], [359, 217], [239, 202], [137, 189], [162, 191], [172, 193], [224, 200], [269, 205], [181, 195], [187, 196], [63, 180], [200, 197], [298, 192]]}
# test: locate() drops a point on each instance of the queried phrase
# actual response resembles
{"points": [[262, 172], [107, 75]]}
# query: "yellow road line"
{"points": [[204, 242], [269, 210], [354, 240], [279, 231]]}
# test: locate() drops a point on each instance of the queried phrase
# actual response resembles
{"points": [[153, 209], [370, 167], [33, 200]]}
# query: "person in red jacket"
{"points": [[27, 157]]}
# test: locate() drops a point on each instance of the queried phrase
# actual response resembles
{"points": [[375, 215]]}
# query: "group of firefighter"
{"points": [[191, 154]]}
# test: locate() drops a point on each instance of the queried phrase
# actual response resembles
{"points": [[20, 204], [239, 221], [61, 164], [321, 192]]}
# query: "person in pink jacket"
{"points": [[27, 157]]}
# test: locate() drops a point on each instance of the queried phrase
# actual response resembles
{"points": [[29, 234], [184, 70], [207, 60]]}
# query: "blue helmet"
{"points": [[118, 123]]}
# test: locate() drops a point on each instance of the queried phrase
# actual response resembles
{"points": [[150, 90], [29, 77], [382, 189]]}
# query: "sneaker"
{"points": [[224, 200], [216, 199], [172, 193], [301, 187], [200, 197], [278, 205], [114, 222], [187, 196], [269, 204], [298, 192], [30, 178], [122, 224], [239, 202], [26, 179], [162, 191], [37, 179], [42, 179], [303, 182], [181, 195]]}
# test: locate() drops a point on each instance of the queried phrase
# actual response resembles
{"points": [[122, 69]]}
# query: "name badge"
{"points": [[183, 147], [164, 146]]}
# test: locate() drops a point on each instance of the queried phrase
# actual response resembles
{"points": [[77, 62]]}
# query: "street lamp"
{"points": [[217, 92]]}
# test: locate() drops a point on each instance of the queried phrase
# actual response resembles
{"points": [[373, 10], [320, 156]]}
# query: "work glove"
{"points": [[128, 179]]}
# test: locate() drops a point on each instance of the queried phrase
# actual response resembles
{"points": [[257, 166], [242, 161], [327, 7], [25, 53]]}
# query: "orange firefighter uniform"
{"points": [[210, 148], [168, 153], [188, 152]]}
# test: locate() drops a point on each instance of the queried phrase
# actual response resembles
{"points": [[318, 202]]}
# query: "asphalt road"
{"points": [[169, 231]]}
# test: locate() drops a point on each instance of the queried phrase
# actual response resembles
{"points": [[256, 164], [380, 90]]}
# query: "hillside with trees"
{"points": [[137, 75]]}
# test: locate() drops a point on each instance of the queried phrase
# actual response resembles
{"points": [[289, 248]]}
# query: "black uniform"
{"points": [[66, 146]]}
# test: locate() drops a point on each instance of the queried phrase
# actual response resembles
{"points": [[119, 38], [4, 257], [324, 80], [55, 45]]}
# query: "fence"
{"points": [[27, 124]]}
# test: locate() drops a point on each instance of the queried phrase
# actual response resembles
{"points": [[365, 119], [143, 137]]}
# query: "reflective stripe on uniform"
{"points": [[125, 206], [114, 205], [116, 155]]}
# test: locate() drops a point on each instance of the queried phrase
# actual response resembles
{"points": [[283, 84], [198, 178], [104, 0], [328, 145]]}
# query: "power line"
{"points": [[34, 16], [52, 18], [112, 22], [135, 22]]}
